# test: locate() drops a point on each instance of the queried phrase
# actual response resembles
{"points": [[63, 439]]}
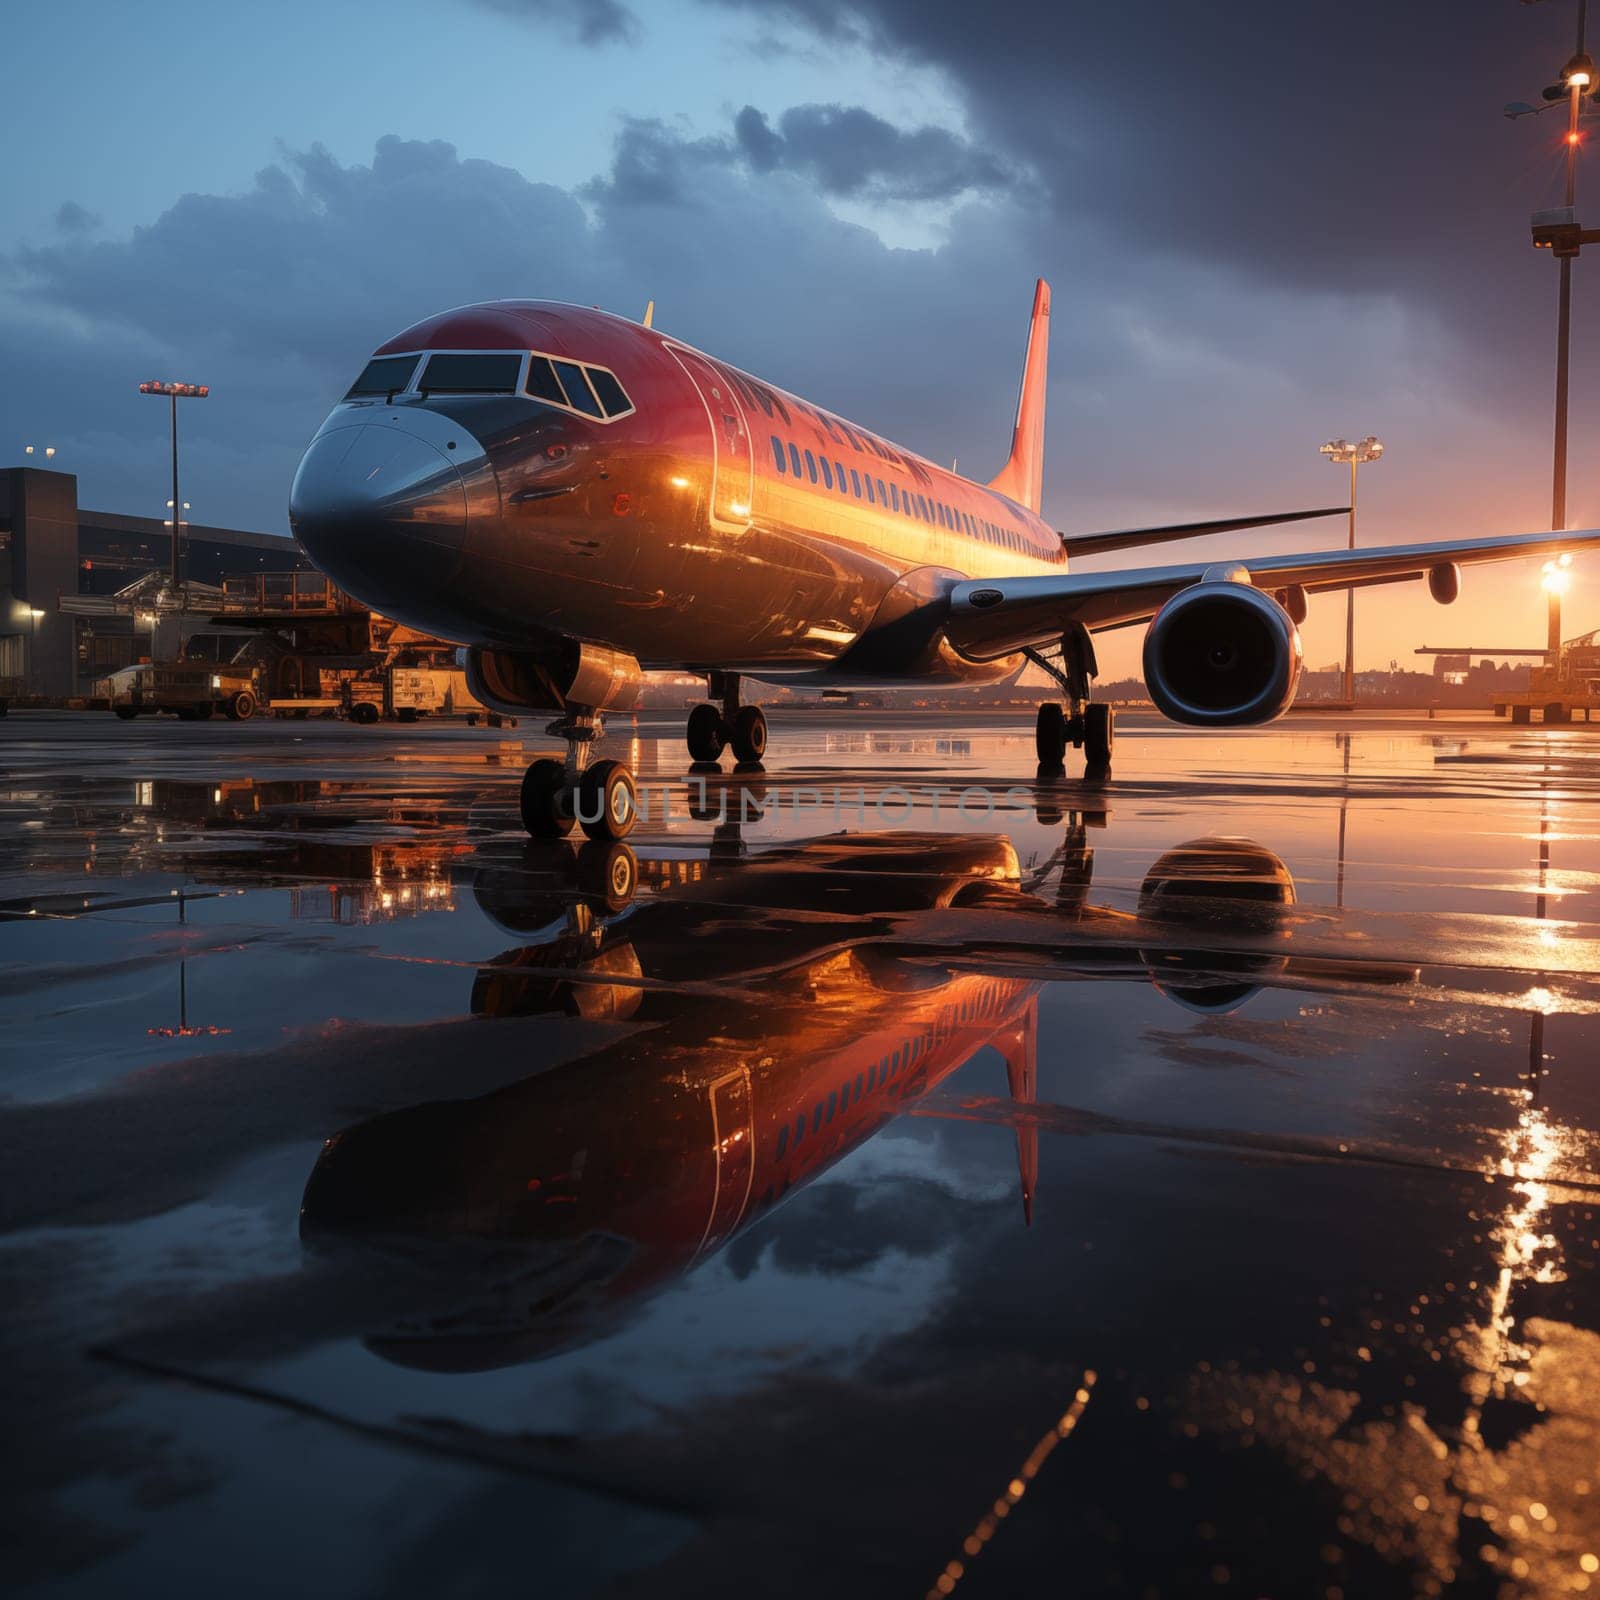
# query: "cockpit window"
{"points": [[579, 395], [542, 382], [612, 395], [385, 375], [471, 374]]}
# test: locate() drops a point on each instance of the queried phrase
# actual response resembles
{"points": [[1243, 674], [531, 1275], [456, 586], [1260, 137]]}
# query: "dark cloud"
{"points": [[1364, 149], [73, 218], [593, 22], [846, 150]]}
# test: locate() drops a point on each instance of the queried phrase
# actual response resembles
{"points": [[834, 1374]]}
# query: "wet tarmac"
{"points": [[886, 1175]]}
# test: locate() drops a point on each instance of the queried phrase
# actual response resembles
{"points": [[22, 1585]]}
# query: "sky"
{"points": [[1265, 225]]}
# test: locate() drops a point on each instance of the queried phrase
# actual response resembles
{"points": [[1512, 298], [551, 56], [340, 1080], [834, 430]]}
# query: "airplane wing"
{"points": [[992, 617], [1095, 544]]}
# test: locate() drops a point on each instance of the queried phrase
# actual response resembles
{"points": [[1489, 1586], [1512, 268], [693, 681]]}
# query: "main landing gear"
{"points": [[1081, 722], [712, 729], [558, 795]]}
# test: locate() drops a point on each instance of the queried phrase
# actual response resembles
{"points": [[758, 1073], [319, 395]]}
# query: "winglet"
{"points": [[1021, 1050], [1022, 477]]}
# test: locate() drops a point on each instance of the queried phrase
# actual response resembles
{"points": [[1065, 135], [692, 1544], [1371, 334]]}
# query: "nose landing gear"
{"points": [[1081, 722], [712, 729], [558, 795]]}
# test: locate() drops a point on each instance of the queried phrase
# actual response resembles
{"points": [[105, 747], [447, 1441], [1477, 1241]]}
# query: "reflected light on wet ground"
{"points": [[883, 1174]]}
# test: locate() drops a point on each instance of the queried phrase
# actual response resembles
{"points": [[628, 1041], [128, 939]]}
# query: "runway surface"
{"points": [[887, 1175]]}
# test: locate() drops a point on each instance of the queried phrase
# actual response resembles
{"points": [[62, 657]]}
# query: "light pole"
{"points": [[1554, 578], [177, 391], [1341, 451], [1560, 232]]}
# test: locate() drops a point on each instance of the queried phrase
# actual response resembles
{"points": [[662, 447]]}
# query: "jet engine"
{"points": [[573, 674], [1222, 654]]}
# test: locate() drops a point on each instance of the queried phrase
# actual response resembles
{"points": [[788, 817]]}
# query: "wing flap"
{"points": [[993, 617]]}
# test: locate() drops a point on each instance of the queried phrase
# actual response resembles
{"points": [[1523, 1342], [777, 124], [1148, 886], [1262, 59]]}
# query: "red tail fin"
{"points": [[1022, 477]]}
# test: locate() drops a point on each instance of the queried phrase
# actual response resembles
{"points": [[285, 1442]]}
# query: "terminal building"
{"points": [[52, 549]]}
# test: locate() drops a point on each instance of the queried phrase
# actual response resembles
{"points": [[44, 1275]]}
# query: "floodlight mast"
{"points": [[176, 391], [1561, 234], [1341, 451]]}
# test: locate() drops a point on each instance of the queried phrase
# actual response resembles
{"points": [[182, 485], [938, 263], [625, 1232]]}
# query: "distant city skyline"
{"points": [[1261, 233]]}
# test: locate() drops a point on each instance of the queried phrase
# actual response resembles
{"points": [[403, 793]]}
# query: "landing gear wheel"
{"points": [[749, 734], [608, 873], [127, 713], [608, 805], [706, 738], [1099, 734], [1050, 735], [545, 813], [242, 706]]}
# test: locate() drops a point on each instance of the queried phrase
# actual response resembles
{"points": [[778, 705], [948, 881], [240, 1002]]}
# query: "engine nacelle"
{"points": [[1222, 654], [586, 676]]}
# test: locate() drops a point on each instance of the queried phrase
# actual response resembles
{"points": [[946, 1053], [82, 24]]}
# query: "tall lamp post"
{"points": [[1560, 232], [1342, 451], [176, 391]]}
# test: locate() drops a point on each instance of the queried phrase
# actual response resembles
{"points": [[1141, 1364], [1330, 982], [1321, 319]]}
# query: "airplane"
{"points": [[578, 498], [785, 1011]]}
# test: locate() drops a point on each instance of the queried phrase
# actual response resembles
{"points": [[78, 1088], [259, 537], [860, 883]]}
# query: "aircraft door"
{"points": [[732, 472], [733, 1136]]}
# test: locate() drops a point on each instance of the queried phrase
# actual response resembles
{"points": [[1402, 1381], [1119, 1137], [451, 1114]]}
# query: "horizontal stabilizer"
{"points": [[1094, 544]]}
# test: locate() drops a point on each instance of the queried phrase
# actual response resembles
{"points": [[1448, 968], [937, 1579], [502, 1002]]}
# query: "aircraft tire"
{"points": [[608, 803], [1099, 734], [749, 735], [542, 800], [242, 706], [1050, 734], [127, 713], [705, 735], [608, 873]]}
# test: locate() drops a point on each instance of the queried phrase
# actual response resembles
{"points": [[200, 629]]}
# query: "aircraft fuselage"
{"points": [[714, 521]]}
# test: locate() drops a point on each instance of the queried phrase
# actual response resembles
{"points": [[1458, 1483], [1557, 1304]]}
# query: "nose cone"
{"points": [[383, 513]]}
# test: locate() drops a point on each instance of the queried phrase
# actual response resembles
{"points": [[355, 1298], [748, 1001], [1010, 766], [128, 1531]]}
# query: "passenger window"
{"points": [[472, 374], [794, 459], [833, 1104], [827, 474], [859, 1083], [542, 383], [783, 1140], [816, 1116], [579, 395], [868, 480], [811, 466], [855, 483], [777, 452], [385, 375], [844, 1097], [799, 1129], [838, 472], [883, 499], [612, 395], [894, 494]]}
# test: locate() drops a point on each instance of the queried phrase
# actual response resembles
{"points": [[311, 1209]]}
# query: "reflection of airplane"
{"points": [[794, 1011], [575, 497]]}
